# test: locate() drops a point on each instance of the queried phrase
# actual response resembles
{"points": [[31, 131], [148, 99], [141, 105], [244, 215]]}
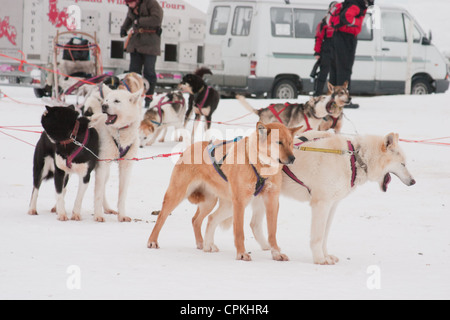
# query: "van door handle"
{"points": [[385, 49], [244, 55], [229, 42]]}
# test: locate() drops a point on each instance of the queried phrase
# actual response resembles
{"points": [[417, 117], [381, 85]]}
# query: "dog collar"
{"points": [[72, 135]]}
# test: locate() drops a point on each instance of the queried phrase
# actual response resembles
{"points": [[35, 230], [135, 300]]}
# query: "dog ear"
{"points": [[262, 131], [136, 96], [294, 131], [48, 108], [346, 85], [390, 141], [330, 88], [106, 90]]}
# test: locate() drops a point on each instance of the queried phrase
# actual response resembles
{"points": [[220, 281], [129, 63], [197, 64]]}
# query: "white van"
{"points": [[266, 49]]}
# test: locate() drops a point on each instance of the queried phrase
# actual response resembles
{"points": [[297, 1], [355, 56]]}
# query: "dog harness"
{"points": [[260, 181], [286, 105], [351, 151], [94, 80], [73, 140], [202, 103], [122, 151], [159, 107]]}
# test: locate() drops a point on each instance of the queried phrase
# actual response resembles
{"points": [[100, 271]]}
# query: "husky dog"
{"points": [[66, 146], [250, 169], [118, 128], [203, 99], [132, 82], [164, 112], [325, 179], [311, 114]]}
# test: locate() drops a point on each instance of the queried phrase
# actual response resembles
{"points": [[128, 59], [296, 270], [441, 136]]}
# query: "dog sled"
{"points": [[76, 63]]}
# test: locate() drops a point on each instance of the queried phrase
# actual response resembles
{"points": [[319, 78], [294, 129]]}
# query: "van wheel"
{"points": [[421, 86], [285, 89]]}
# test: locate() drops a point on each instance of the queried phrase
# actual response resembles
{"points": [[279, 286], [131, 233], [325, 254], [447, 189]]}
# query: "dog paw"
{"points": [[124, 219], [99, 219], [76, 217], [210, 248], [111, 211], [278, 256], [331, 260], [62, 217], [244, 257], [32, 212], [200, 245], [328, 260], [152, 244], [53, 210]]}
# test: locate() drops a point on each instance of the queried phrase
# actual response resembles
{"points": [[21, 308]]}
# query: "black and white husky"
{"points": [[68, 145]]}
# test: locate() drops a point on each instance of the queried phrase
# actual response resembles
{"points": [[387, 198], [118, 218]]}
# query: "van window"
{"points": [[393, 27], [281, 20], [242, 21], [417, 35], [219, 23], [367, 30], [306, 22]]}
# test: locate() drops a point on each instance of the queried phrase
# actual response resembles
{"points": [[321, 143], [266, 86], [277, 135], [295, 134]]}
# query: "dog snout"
{"points": [[412, 182], [104, 108], [291, 159]]}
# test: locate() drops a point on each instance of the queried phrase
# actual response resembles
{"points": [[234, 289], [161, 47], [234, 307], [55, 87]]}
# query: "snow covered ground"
{"points": [[397, 242]]}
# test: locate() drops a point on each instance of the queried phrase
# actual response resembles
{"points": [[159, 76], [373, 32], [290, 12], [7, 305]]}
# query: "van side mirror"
{"points": [[426, 41]]}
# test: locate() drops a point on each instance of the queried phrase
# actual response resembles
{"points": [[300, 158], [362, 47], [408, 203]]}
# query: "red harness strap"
{"points": [[277, 114], [308, 126], [76, 152]]}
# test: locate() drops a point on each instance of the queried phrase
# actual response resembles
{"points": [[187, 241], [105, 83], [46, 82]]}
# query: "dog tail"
{"points": [[202, 71], [227, 223], [196, 197], [246, 105]]}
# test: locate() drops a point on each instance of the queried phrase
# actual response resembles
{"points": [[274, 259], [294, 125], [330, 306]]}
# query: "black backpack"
{"points": [[77, 49]]}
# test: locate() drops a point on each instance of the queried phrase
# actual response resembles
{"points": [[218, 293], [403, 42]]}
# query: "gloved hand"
{"points": [[123, 33]]}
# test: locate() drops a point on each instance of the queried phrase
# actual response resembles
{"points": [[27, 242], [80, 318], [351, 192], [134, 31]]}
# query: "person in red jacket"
{"points": [[323, 51], [347, 21]]}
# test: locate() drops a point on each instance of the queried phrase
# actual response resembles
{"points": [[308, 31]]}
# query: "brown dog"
{"points": [[251, 168], [341, 97]]}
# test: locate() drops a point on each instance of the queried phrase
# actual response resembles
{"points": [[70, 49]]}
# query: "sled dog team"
{"points": [[290, 153]]}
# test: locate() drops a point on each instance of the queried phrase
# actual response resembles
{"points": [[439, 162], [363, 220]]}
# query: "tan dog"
{"points": [[252, 168]]}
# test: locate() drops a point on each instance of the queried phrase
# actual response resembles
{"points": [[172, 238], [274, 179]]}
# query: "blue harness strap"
{"points": [[260, 182]]}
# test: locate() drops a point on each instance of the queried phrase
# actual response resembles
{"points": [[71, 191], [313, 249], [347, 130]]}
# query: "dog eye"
{"points": [[116, 101], [280, 143]]}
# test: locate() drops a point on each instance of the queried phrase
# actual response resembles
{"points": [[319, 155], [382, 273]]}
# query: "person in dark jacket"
{"points": [[350, 17], [144, 18], [323, 51]]}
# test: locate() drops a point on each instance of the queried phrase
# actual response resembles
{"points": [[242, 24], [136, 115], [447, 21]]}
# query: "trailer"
{"points": [[28, 28]]}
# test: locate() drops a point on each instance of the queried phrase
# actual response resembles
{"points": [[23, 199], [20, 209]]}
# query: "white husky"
{"points": [[118, 128], [328, 169]]}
